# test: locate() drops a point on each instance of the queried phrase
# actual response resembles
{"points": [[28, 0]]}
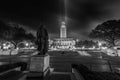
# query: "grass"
{"points": [[93, 62]]}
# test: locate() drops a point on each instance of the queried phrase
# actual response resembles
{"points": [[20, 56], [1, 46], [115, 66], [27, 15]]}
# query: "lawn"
{"points": [[62, 61]]}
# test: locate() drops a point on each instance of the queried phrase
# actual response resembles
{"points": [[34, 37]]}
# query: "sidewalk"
{"points": [[54, 76], [60, 77]]}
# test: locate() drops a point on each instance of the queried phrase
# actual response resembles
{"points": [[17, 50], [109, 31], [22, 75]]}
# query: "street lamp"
{"points": [[99, 45], [100, 49]]}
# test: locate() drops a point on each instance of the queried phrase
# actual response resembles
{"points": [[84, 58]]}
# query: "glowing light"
{"points": [[27, 44], [77, 40], [66, 8], [99, 44], [83, 47], [17, 48]]}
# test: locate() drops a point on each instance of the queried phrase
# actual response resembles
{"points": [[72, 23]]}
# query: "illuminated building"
{"points": [[63, 43]]}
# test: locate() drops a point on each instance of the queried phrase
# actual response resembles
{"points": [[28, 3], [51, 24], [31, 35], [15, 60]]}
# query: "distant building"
{"points": [[63, 42]]}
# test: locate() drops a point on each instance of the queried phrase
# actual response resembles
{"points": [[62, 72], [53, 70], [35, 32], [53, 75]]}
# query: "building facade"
{"points": [[63, 43]]}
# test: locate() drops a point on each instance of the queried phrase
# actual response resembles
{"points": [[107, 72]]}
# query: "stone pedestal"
{"points": [[39, 66]]}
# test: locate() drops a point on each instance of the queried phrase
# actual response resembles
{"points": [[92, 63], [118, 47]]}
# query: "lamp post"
{"points": [[100, 49], [10, 56], [12, 47]]}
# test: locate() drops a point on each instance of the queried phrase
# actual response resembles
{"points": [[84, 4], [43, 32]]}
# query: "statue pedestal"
{"points": [[39, 66]]}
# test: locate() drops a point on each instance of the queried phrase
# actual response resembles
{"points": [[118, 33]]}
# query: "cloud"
{"points": [[82, 15]]}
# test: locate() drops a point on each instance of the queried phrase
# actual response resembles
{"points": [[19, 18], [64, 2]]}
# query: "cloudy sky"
{"points": [[81, 15]]}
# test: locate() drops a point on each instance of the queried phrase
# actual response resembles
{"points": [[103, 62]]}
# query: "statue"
{"points": [[36, 70], [42, 40]]}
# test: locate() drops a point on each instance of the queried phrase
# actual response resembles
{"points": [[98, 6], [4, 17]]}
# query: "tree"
{"points": [[86, 44], [30, 36], [21, 34], [14, 33], [6, 31], [108, 31]]}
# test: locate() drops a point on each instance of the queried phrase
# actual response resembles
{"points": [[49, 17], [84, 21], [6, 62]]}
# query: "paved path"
{"points": [[53, 76]]}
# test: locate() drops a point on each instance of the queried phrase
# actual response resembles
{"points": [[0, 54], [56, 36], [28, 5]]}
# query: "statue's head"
{"points": [[42, 32]]}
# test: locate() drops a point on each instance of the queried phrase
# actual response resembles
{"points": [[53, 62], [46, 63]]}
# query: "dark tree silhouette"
{"points": [[86, 44], [6, 31], [20, 34], [14, 33], [30, 36], [108, 31]]}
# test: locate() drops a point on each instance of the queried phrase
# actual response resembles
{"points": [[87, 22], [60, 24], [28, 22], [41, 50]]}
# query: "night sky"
{"points": [[81, 15]]}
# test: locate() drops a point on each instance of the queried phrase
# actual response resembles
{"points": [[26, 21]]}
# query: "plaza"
{"points": [[60, 64]]}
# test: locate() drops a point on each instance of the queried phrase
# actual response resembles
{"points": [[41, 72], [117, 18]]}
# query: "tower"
{"points": [[63, 33]]}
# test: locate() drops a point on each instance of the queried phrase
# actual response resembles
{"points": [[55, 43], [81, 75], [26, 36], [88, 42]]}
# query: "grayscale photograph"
{"points": [[60, 40]]}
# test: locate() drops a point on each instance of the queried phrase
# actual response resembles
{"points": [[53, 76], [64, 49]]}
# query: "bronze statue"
{"points": [[42, 40]]}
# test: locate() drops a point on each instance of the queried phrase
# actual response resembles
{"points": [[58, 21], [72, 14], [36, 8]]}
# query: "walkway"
{"points": [[53, 76]]}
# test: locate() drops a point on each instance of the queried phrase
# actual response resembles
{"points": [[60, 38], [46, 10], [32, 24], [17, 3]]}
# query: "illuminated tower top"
{"points": [[63, 24], [63, 30]]}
